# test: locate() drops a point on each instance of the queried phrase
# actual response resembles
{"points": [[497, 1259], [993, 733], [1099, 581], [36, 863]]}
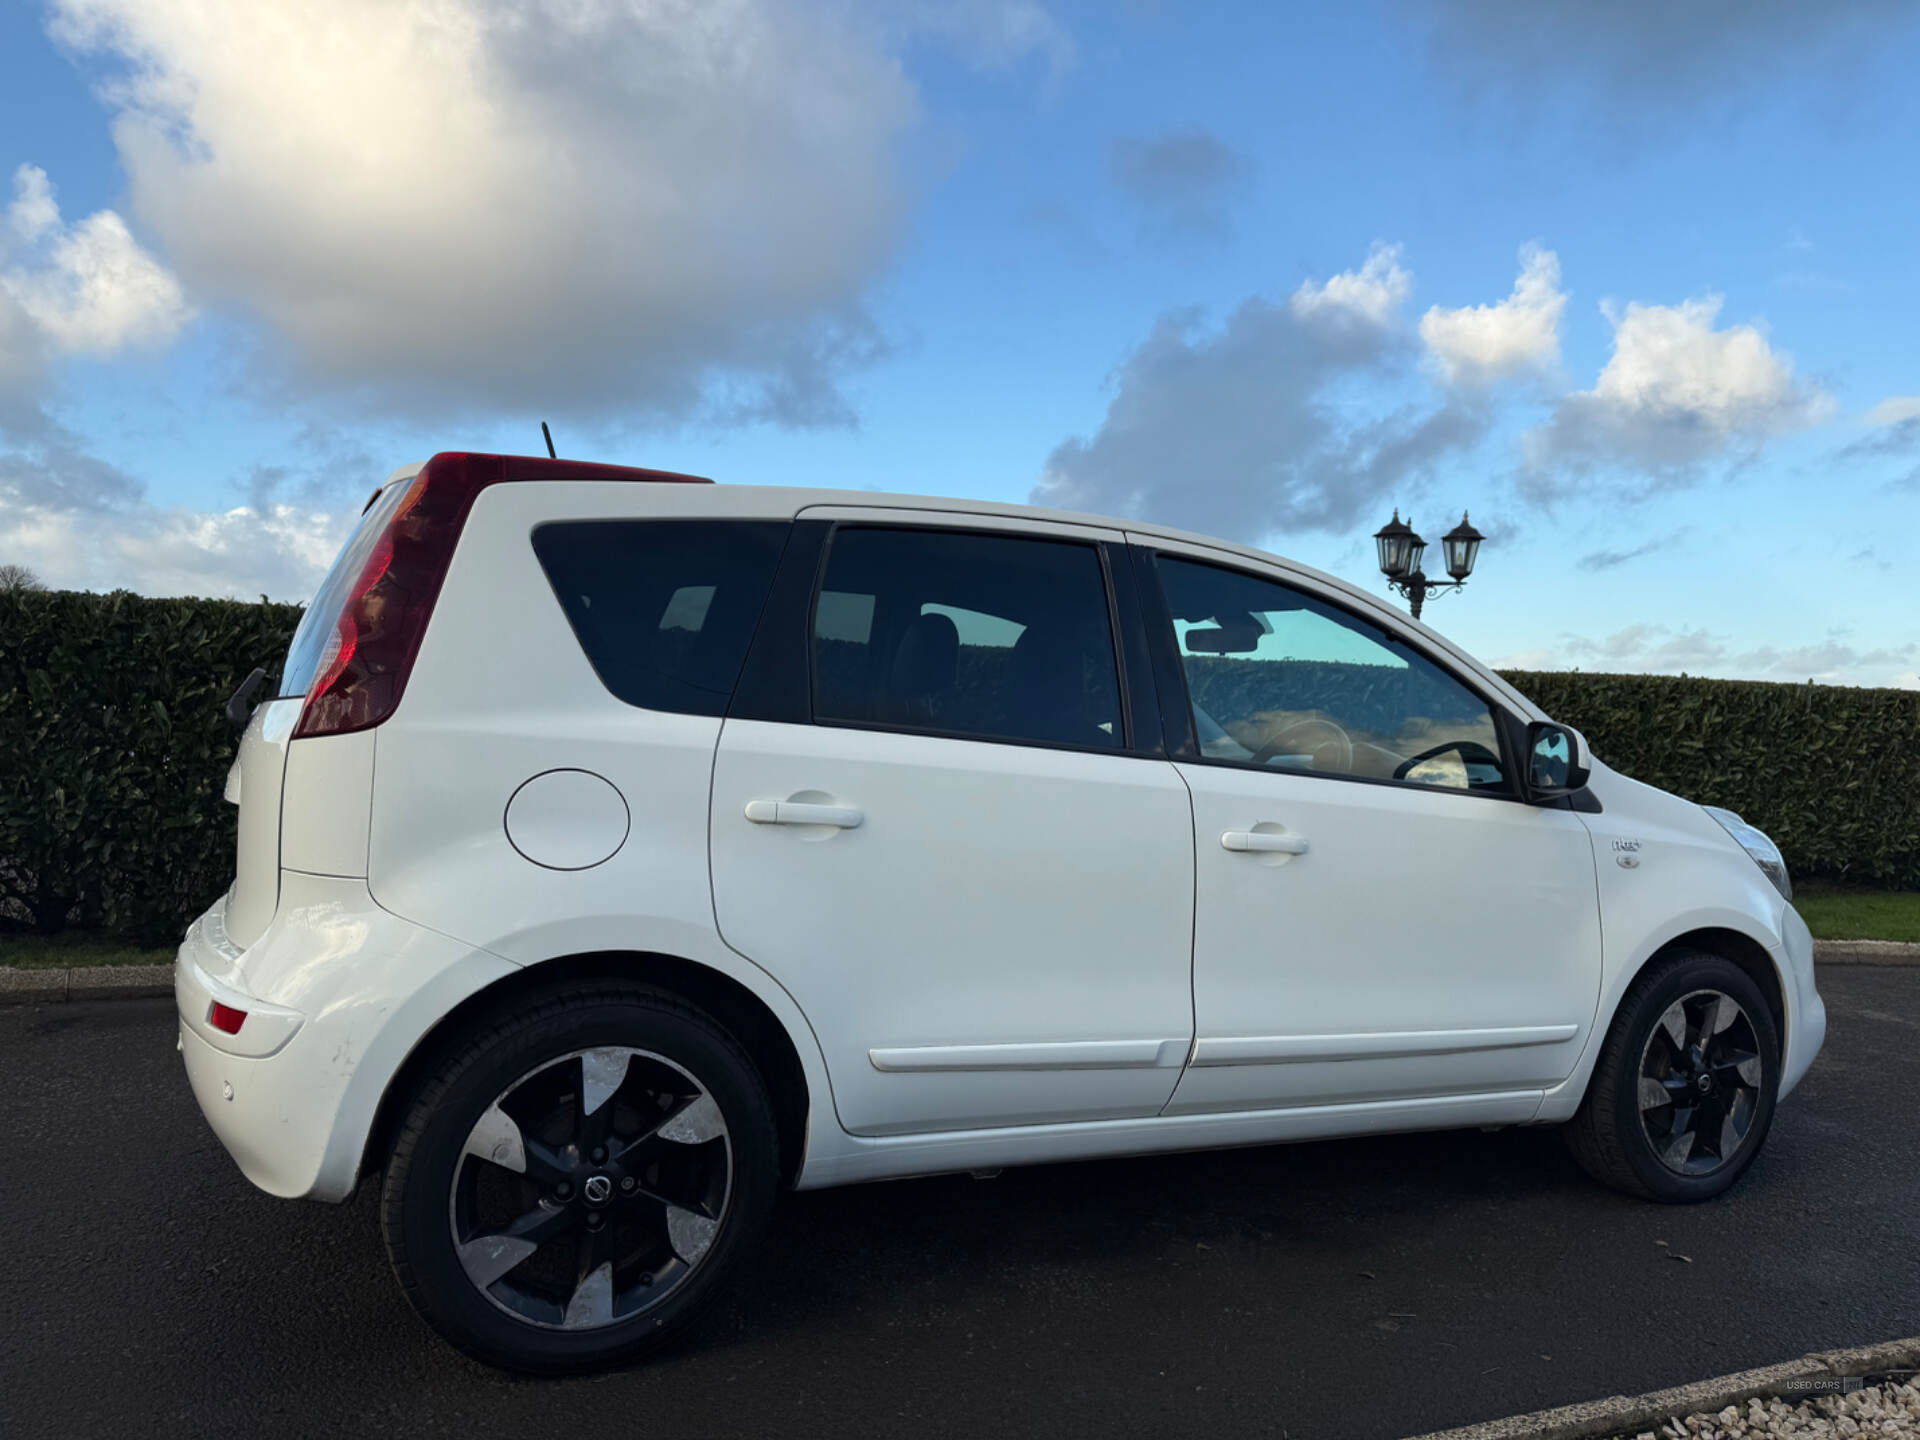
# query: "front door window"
{"points": [[1280, 679]]}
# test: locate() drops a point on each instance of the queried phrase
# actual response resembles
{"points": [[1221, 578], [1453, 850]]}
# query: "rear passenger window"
{"points": [[664, 609], [984, 636]]}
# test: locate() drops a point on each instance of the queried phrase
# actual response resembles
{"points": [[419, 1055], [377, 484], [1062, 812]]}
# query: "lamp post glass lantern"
{"points": [[1402, 550], [1463, 548], [1396, 541]]}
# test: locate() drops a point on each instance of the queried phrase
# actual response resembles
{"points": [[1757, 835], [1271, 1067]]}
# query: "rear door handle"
{"points": [[793, 812], [1258, 840]]}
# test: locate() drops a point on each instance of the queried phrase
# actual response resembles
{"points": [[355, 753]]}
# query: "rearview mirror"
{"points": [[1556, 761], [1235, 635]]}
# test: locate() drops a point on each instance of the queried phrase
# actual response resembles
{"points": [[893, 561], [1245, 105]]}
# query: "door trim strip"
{"points": [[1045, 1055], [1386, 1045]]}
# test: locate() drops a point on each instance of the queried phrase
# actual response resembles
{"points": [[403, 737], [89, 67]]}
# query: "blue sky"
{"points": [[1632, 281]]}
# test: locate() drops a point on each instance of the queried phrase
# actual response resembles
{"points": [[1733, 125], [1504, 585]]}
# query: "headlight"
{"points": [[1765, 853]]}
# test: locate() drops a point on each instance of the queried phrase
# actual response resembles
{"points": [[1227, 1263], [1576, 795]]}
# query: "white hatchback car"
{"points": [[622, 849]]}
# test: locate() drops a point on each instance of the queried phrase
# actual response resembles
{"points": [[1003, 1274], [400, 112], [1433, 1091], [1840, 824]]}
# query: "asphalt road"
{"points": [[1349, 1289]]}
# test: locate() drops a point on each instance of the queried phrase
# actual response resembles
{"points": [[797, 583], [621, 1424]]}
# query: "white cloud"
{"points": [[1256, 426], [89, 288], [33, 211], [81, 522], [54, 473], [1894, 409], [79, 289], [1669, 357], [242, 553], [1675, 393], [1656, 648], [1832, 661], [1367, 297], [650, 208], [1663, 650], [1480, 343], [1305, 413], [22, 362]]}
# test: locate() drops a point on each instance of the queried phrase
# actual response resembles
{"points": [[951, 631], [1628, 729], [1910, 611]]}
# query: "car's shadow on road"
{"points": [[1320, 1205], [939, 1245]]}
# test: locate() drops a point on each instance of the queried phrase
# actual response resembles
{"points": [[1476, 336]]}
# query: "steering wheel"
{"points": [[1331, 734], [1470, 752]]}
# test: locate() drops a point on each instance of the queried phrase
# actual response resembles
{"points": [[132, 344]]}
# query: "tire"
{"points": [[1648, 1126], [523, 1250]]}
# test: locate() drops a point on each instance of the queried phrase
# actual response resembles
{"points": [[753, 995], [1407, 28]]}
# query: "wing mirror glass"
{"points": [[1557, 761]]}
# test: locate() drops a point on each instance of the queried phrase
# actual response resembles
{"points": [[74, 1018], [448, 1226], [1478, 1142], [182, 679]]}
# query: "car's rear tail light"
{"points": [[225, 1017], [364, 670]]}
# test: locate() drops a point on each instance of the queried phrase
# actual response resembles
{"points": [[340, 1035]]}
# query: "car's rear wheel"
{"points": [[575, 1181], [1683, 1092]]}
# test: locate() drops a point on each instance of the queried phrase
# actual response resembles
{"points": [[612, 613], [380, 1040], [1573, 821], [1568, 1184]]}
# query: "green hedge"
{"points": [[1831, 772], [114, 749]]}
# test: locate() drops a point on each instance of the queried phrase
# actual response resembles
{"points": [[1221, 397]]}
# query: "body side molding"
{"points": [[1046, 1055], [1307, 1049]]}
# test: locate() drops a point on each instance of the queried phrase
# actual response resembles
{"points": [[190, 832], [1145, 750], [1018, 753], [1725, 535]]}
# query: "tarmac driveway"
{"points": [[1353, 1288]]}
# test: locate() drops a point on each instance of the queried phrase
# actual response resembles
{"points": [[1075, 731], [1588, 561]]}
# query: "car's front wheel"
{"points": [[1683, 1092], [573, 1182]]}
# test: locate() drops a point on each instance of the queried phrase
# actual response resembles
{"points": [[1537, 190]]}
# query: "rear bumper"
{"points": [[337, 993]]}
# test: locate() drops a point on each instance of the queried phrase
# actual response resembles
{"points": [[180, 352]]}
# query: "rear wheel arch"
{"points": [[731, 1004]]}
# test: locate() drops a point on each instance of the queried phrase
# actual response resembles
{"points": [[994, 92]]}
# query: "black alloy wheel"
{"points": [[590, 1190], [577, 1176], [1700, 1076], [1682, 1093]]}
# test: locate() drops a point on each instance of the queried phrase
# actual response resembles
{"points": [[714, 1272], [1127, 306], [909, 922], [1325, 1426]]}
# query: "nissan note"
{"points": [[619, 848]]}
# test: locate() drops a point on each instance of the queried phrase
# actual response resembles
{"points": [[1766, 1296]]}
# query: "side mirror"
{"points": [[240, 703], [1556, 761]]}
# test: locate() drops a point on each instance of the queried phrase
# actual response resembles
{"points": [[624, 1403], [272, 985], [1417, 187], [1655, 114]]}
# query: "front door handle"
{"points": [[1261, 841], [795, 812]]}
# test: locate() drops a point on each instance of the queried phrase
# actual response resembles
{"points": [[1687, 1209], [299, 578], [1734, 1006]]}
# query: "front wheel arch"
{"points": [[1735, 946], [1743, 950], [742, 1013]]}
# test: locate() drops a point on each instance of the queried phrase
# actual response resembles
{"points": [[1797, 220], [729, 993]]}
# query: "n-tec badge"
{"points": [[1626, 854]]}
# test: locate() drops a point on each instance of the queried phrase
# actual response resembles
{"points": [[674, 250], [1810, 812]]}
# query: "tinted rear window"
{"points": [[664, 609], [988, 636]]}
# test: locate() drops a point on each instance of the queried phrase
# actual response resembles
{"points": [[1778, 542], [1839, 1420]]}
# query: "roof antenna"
{"points": [[548, 436]]}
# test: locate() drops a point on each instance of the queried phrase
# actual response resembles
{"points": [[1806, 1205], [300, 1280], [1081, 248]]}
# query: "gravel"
{"points": [[1889, 1408]]}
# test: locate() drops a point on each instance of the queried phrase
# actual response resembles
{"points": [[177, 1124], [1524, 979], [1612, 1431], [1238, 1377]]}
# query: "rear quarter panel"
{"points": [[502, 692]]}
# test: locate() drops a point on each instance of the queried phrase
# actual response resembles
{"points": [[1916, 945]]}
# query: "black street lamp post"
{"points": [[1401, 551]]}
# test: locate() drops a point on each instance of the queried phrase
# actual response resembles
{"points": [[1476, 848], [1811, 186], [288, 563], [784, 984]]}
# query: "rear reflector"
{"points": [[225, 1017], [378, 631]]}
